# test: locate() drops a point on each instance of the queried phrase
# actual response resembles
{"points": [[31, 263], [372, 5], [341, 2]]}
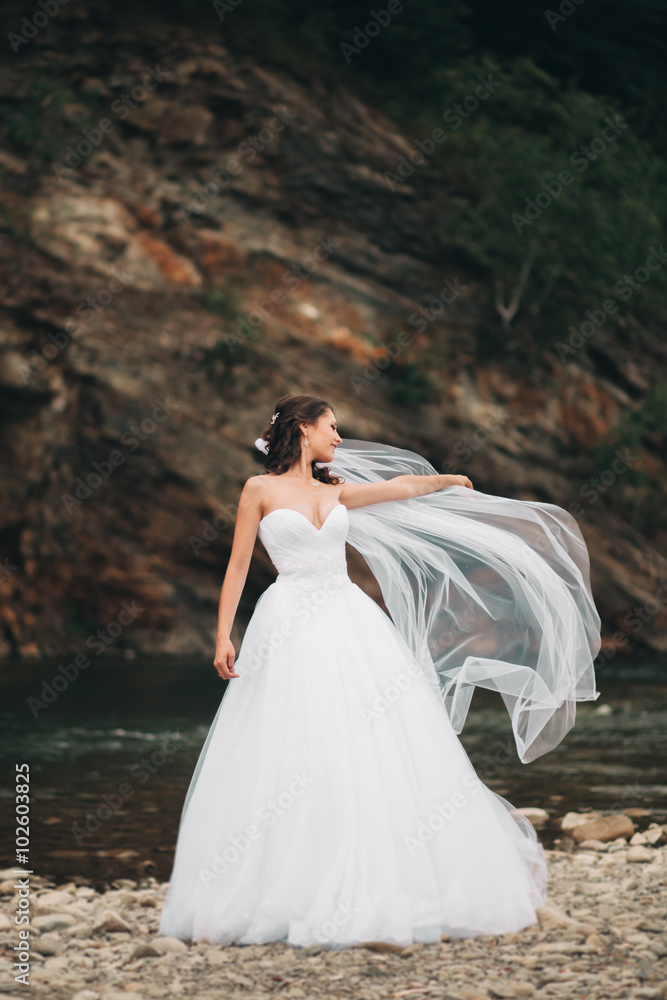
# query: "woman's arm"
{"points": [[398, 488], [245, 532]]}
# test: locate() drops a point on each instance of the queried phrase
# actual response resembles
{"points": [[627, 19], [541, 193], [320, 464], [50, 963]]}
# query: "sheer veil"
{"points": [[487, 592]]}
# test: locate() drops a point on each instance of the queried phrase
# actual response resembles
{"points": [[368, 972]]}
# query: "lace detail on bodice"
{"points": [[307, 558], [314, 573]]}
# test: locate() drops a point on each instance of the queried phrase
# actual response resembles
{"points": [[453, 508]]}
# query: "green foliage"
{"points": [[226, 301], [638, 495], [558, 87], [77, 621], [408, 385], [41, 124], [646, 426]]}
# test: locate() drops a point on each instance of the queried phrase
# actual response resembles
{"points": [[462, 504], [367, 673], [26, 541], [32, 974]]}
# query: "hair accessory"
{"points": [[275, 417], [262, 445]]}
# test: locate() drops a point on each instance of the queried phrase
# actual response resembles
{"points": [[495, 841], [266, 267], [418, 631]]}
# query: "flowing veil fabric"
{"points": [[487, 592]]}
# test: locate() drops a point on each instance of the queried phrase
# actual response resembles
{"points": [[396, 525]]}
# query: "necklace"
{"points": [[313, 482]]}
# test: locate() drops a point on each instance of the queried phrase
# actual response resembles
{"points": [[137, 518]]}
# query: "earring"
{"points": [[306, 440]]}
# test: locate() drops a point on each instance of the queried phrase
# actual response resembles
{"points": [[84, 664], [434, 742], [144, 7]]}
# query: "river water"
{"points": [[121, 741]]}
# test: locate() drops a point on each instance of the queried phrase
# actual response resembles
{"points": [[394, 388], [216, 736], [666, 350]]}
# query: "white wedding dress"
{"points": [[332, 802]]}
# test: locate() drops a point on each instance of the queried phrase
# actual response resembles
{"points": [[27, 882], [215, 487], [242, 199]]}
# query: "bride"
{"points": [[332, 802]]}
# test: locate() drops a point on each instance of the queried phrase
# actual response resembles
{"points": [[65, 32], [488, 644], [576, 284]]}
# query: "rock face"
{"points": [[228, 239]]}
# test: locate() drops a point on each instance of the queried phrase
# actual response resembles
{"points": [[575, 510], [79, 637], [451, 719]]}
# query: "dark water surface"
{"points": [[123, 738]]}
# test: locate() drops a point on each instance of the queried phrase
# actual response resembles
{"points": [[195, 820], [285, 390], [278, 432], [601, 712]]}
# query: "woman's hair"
{"points": [[283, 436]]}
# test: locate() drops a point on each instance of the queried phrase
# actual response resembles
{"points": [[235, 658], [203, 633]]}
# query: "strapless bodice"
{"points": [[306, 557]]}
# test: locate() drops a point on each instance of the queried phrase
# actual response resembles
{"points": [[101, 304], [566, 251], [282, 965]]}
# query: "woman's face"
{"points": [[324, 437]]}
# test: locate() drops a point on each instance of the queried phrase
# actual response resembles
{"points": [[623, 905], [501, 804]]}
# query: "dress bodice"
{"points": [[307, 557]]}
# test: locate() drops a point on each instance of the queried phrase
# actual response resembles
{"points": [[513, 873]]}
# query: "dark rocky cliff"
{"points": [[223, 234]]}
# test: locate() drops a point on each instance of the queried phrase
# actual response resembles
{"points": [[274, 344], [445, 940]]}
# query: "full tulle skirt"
{"points": [[334, 804]]}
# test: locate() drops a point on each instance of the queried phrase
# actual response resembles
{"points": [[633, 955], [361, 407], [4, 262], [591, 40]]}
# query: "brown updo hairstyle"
{"points": [[284, 435]]}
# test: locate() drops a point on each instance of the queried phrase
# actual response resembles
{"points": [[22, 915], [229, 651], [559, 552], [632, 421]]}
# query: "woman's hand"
{"points": [[224, 659], [457, 481]]}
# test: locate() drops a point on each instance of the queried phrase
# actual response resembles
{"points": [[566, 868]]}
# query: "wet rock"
{"points": [[572, 820], [538, 817], [605, 828], [592, 845]]}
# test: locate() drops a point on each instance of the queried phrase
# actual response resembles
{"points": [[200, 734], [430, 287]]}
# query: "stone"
{"points": [[217, 956], [538, 817], [169, 944], [110, 922], [385, 947], [50, 902], [640, 853], [551, 916], [605, 828], [572, 820], [145, 951], [471, 993], [509, 988], [53, 921], [48, 944]]}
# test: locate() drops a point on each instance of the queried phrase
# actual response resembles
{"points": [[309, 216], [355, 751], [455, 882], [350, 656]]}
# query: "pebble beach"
{"points": [[601, 934]]}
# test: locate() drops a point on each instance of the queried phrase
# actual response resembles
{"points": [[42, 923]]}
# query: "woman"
{"points": [[332, 802]]}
